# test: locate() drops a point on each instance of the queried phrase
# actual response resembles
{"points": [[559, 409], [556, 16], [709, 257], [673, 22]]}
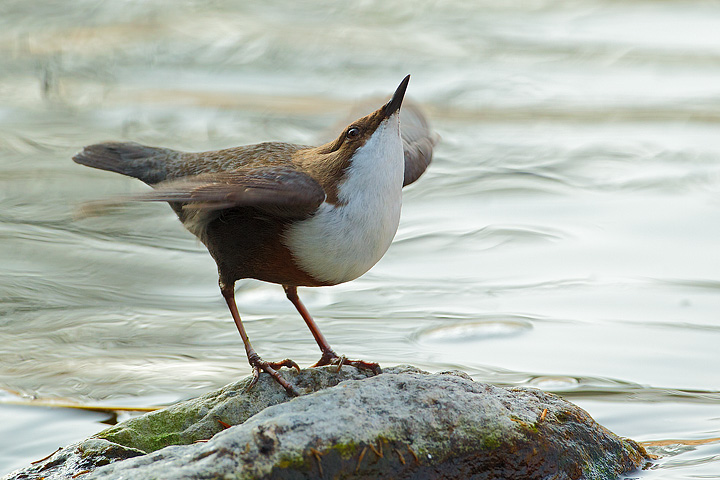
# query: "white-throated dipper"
{"points": [[288, 214]]}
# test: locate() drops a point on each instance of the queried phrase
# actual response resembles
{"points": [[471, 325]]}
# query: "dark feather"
{"points": [[418, 142], [128, 158], [277, 190]]}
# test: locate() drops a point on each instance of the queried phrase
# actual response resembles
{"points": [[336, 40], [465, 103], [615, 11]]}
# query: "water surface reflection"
{"points": [[564, 238]]}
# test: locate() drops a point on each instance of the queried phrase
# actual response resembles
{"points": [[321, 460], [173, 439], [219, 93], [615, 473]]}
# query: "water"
{"points": [[564, 237]]}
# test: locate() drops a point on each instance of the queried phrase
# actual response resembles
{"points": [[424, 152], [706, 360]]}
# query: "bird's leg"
{"points": [[257, 363], [329, 357]]}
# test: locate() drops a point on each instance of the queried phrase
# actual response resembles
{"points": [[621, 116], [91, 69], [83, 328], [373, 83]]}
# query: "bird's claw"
{"points": [[332, 358], [258, 364], [284, 363]]}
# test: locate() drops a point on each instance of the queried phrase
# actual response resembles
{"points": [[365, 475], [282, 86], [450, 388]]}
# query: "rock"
{"points": [[75, 459], [404, 423], [203, 417]]}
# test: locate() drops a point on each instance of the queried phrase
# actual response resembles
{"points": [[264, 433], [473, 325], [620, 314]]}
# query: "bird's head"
{"points": [[383, 122], [371, 142]]}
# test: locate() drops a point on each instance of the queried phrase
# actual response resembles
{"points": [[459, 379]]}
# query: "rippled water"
{"points": [[564, 238]]}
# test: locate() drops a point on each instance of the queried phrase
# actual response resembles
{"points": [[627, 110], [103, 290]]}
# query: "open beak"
{"points": [[394, 104]]}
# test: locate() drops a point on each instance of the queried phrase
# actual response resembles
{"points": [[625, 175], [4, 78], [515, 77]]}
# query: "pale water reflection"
{"points": [[565, 237]]}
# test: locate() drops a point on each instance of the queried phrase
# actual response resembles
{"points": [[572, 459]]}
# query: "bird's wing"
{"points": [[418, 141], [276, 190]]}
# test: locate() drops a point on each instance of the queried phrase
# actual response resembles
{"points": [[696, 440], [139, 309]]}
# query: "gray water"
{"points": [[565, 236]]}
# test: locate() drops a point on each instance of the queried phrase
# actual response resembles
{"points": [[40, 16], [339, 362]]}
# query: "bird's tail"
{"points": [[132, 159]]}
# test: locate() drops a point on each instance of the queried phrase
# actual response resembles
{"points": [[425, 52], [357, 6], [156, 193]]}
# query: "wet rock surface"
{"points": [[404, 423]]}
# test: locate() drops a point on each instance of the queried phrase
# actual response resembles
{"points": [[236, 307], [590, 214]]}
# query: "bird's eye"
{"points": [[352, 133]]}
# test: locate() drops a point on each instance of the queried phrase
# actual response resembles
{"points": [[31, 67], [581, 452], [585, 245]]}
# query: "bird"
{"points": [[288, 214]]}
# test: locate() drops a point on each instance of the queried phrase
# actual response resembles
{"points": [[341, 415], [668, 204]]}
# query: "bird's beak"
{"points": [[394, 104]]}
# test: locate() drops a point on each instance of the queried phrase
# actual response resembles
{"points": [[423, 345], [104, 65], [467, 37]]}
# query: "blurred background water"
{"points": [[565, 236]]}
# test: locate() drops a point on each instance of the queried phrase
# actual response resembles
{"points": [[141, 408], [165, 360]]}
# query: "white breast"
{"points": [[340, 243]]}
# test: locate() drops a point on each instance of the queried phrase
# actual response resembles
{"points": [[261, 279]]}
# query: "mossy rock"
{"points": [[402, 424]]}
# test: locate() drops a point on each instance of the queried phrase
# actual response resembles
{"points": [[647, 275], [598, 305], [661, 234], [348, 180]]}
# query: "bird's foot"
{"points": [[332, 358], [271, 368]]}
